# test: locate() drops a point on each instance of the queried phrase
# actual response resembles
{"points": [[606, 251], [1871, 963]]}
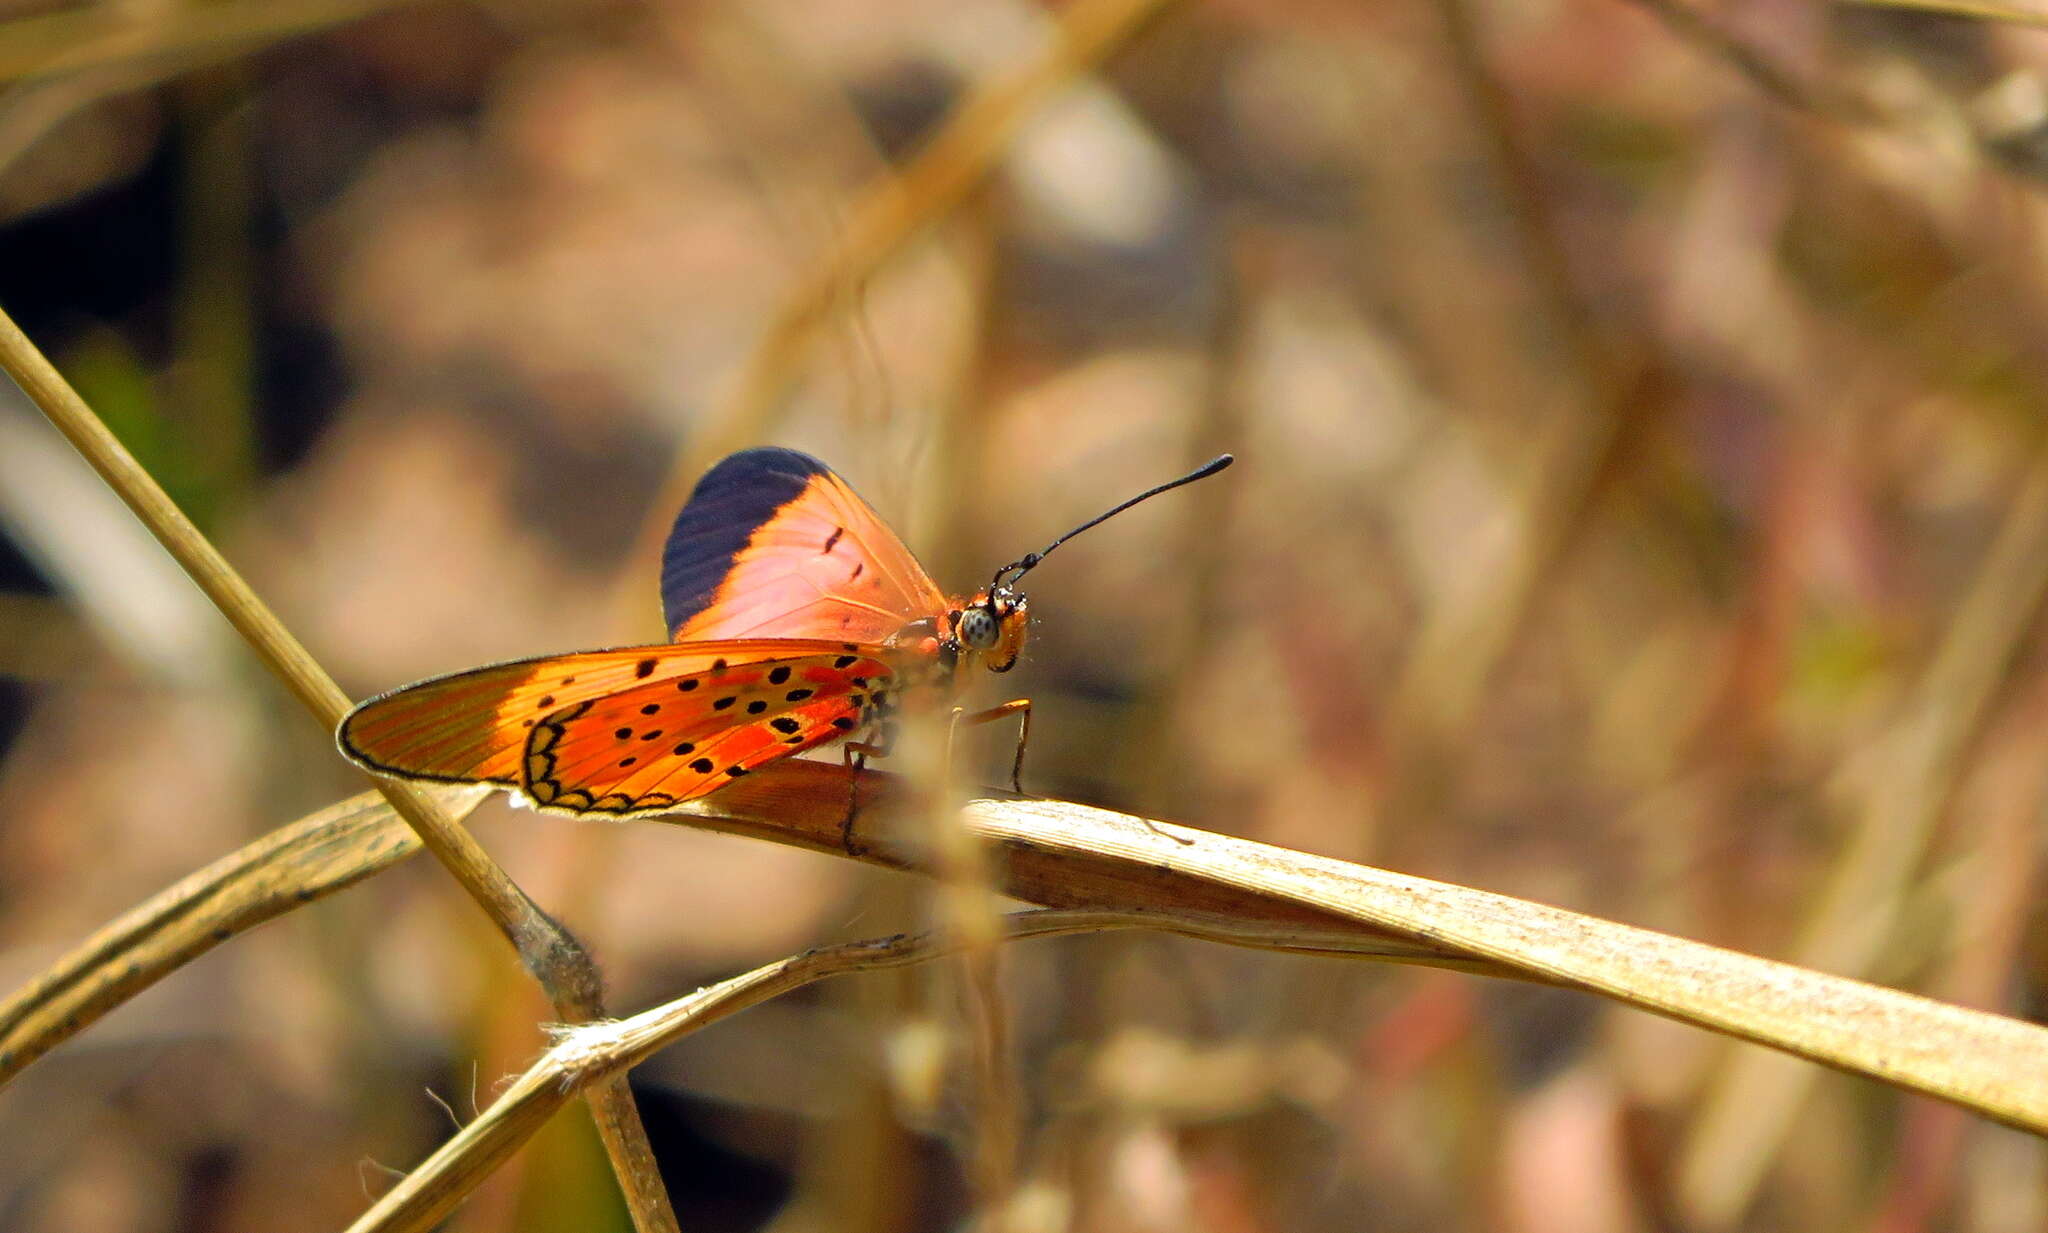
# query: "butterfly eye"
{"points": [[979, 628]]}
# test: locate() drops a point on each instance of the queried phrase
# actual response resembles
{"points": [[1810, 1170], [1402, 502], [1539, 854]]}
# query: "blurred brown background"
{"points": [[1642, 507]]}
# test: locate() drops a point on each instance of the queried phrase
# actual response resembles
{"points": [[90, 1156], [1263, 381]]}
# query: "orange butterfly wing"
{"points": [[472, 727], [654, 746], [774, 545], [782, 589]]}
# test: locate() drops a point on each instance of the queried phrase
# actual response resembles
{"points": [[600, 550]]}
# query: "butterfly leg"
{"points": [[854, 756], [1020, 707]]}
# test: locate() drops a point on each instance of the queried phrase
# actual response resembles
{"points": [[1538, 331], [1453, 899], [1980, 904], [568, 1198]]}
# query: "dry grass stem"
{"points": [[1195, 882], [1644, 511], [592, 1052], [333, 849], [965, 912], [555, 958], [1256, 895]]}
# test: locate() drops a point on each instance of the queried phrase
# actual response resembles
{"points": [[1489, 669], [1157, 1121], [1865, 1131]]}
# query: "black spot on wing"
{"points": [[730, 503]]}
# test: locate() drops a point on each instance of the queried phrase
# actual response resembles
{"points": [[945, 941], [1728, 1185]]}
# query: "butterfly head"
{"points": [[992, 624]]}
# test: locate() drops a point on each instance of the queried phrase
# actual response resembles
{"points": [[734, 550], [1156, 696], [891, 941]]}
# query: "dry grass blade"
{"points": [[1137, 872], [1995, 1065], [1114, 871], [1070, 856], [555, 958], [309, 859], [293, 865]]}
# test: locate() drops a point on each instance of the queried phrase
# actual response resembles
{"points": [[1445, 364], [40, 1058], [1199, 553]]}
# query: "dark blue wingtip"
{"points": [[728, 505]]}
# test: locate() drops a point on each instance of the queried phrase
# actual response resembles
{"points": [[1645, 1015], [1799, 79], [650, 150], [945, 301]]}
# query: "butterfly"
{"points": [[797, 618]]}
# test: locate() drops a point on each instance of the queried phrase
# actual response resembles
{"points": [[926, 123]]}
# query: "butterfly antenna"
{"points": [[1029, 561]]}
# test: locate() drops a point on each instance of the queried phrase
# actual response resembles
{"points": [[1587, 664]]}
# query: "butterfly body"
{"points": [[798, 618]]}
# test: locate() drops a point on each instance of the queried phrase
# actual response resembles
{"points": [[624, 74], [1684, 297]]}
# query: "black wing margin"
{"points": [[728, 505]]}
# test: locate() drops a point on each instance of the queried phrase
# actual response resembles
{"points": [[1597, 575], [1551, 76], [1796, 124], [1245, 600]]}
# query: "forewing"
{"points": [[654, 746], [773, 544], [472, 727]]}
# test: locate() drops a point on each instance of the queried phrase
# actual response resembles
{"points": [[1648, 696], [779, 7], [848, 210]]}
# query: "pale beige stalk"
{"points": [[549, 952]]}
